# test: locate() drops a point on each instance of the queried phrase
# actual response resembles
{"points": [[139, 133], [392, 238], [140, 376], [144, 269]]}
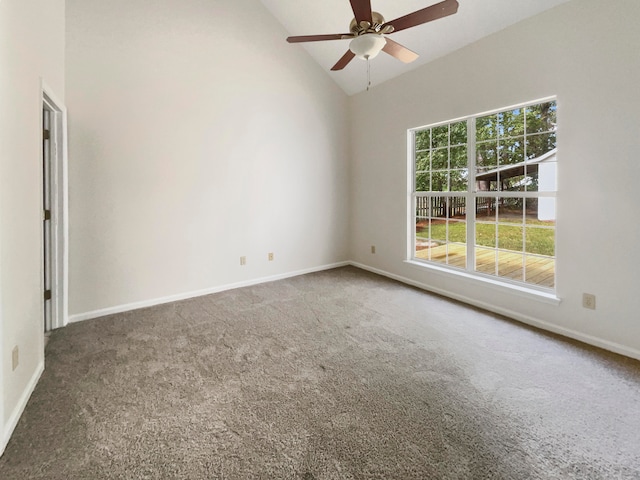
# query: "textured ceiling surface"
{"points": [[475, 19]]}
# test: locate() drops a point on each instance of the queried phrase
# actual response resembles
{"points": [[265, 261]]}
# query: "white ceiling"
{"points": [[475, 19]]}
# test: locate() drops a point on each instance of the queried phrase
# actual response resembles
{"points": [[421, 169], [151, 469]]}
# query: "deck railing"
{"points": [[449, 207]]}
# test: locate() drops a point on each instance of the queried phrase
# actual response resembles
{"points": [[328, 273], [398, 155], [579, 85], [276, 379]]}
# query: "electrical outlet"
{"points": [[271, 256], [589, 301], [243, 260], [15, 358], [373, 249]]}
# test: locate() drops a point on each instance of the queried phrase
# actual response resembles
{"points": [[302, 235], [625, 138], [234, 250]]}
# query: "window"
{"points": [[484, 194]]}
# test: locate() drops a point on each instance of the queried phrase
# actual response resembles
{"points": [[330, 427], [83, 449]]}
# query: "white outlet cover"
{"points": [[589, 301], [15, 358]]}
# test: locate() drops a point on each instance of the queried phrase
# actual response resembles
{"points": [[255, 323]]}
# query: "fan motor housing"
{"points": [[365, 27]]}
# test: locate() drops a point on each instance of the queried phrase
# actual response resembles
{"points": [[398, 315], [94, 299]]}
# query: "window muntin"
{"points": [[503, 166]]}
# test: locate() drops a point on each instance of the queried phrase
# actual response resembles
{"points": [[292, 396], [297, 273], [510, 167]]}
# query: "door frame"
{"points": [[59, 209]]}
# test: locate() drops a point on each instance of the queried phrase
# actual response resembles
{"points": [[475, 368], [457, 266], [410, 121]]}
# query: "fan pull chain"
{"points": [[368, 73]]}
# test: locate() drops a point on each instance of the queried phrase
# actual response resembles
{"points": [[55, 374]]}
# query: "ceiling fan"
{"points": [[368, 29]]}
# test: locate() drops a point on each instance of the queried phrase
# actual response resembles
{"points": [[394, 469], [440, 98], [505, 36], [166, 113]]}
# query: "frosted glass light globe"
{"points": [[367, 45]]}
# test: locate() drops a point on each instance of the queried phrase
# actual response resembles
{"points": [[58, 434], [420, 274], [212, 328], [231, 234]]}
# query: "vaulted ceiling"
{"points": [[475, 19]]}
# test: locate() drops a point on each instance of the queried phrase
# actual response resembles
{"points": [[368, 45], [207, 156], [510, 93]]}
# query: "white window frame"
{"points": [[470, 195]]}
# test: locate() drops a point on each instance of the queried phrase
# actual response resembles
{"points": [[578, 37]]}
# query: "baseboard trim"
{"points": [[19, 409], [534, 322], [79, 317], [566, 332]]}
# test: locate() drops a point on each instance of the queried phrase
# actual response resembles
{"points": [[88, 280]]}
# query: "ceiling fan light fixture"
{"points": [[368, 30], [368, 45]]}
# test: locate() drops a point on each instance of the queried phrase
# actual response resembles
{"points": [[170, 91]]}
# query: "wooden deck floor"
{"points": [[516, 266]]}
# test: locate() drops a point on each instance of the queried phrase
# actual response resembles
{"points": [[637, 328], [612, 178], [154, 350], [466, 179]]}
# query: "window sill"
{"points": [[520, 290]]}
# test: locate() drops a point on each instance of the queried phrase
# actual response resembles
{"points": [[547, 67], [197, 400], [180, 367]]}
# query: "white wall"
{"points": [[31, 50], [586, 53], [197, 135]]}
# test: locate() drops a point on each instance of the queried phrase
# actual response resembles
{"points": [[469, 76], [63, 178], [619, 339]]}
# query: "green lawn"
{"points": [[539, 240]]}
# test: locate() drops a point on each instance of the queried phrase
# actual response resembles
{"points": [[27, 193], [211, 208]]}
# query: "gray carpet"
{"points": [[334, 375]]}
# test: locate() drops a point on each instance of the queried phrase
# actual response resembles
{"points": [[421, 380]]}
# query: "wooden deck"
{"points": [[516, 266]]}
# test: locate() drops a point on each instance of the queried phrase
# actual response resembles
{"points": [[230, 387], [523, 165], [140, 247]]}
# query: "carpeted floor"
{"points": [[334, 375]]}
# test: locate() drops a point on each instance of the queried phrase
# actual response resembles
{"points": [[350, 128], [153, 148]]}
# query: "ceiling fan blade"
{"points": [[362, 10], [398, 51], [318, 38], [434, 12], [346, 58]]}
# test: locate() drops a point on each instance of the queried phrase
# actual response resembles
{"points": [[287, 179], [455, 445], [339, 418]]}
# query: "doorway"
{"points": [[54, 213]]}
